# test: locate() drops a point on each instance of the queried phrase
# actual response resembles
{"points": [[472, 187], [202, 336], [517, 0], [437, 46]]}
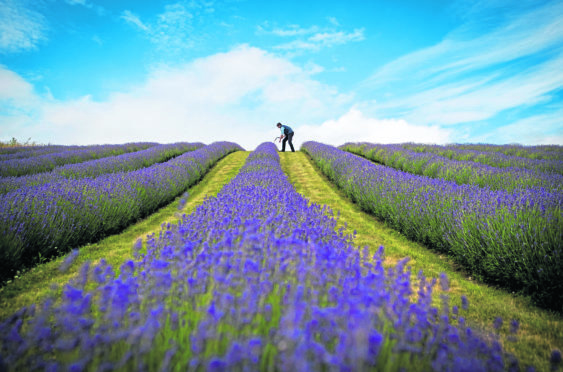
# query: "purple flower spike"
{"points": [[497, 323], [555, 360], [514, 326], [68, 261], [464, 302], [444, 282]]}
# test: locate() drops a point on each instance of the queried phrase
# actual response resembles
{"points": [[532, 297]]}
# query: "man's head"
{"points": [[278, 125]]}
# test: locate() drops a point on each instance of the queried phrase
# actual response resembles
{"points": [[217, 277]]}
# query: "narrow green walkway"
{"points": [[540, 331], [36, 283]]}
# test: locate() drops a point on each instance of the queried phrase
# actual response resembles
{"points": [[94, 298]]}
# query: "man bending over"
{"points": [[287, 135]]}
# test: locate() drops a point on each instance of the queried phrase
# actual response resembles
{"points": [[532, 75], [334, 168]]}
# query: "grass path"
{"points": [[35, 284], [540, 331]]}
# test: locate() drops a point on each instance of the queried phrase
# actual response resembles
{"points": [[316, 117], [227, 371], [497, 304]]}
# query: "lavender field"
{"points": [[510, 236], [63, 213], [258, 277]]}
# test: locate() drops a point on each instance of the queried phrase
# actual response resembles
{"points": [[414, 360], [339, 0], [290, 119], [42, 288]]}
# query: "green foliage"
{"points": [[16, 143]]}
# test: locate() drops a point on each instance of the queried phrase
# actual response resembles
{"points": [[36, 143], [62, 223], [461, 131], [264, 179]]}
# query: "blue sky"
{"points": [[93, 71]]}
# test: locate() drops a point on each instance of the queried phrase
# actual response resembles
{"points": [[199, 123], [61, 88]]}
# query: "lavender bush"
{"points": [[47, 162], [121, 163], [468, 172], [255, 279], [44, 220], [494, 159], [550, 152], [511, 239]]}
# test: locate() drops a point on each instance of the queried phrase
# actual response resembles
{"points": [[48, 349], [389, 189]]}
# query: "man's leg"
{"points": [[290, 139], [283, 143]]}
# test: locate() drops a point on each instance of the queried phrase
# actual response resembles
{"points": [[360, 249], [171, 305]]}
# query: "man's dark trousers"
{"points": [[288, 138]]}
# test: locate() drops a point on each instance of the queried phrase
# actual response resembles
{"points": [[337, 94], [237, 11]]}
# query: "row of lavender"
{"points": [[112, 164], [512, 239], [494, 159], [20, 152], [532, 152], [51, 218], [255, 279], [47, 162], [462, 172]]}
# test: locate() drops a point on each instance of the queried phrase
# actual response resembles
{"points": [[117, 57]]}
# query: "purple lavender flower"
{"points": [[514, 326], [555, 360], [497, 323], [464, 302], [68, 261]]}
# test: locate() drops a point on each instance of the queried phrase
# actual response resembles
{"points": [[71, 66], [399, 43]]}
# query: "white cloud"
{"points": [[464, 78], [172, 31], [354, 126], [476, 100], [237, 96], [333, 21], [313, 38], [293, 30], [21, 28], [134, 19], [18, 106], [15, 91], [542, 129], [96, 39], [77, 2], [321, 40], [523, 35], [85, 3]]}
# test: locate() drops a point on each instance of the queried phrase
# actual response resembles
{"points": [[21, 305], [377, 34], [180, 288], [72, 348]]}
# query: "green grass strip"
{"points": [[41, 281], [540, 331]]}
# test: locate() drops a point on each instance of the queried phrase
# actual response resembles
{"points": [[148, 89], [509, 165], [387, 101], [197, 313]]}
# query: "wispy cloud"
{"points": [[480, 98], [21, 28], [87, 4], [289, 31], [467, 78], [171, 31], [96, 39], [134, 20], [313, 38], [77, 2], [543, 129], [322, 40]]}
